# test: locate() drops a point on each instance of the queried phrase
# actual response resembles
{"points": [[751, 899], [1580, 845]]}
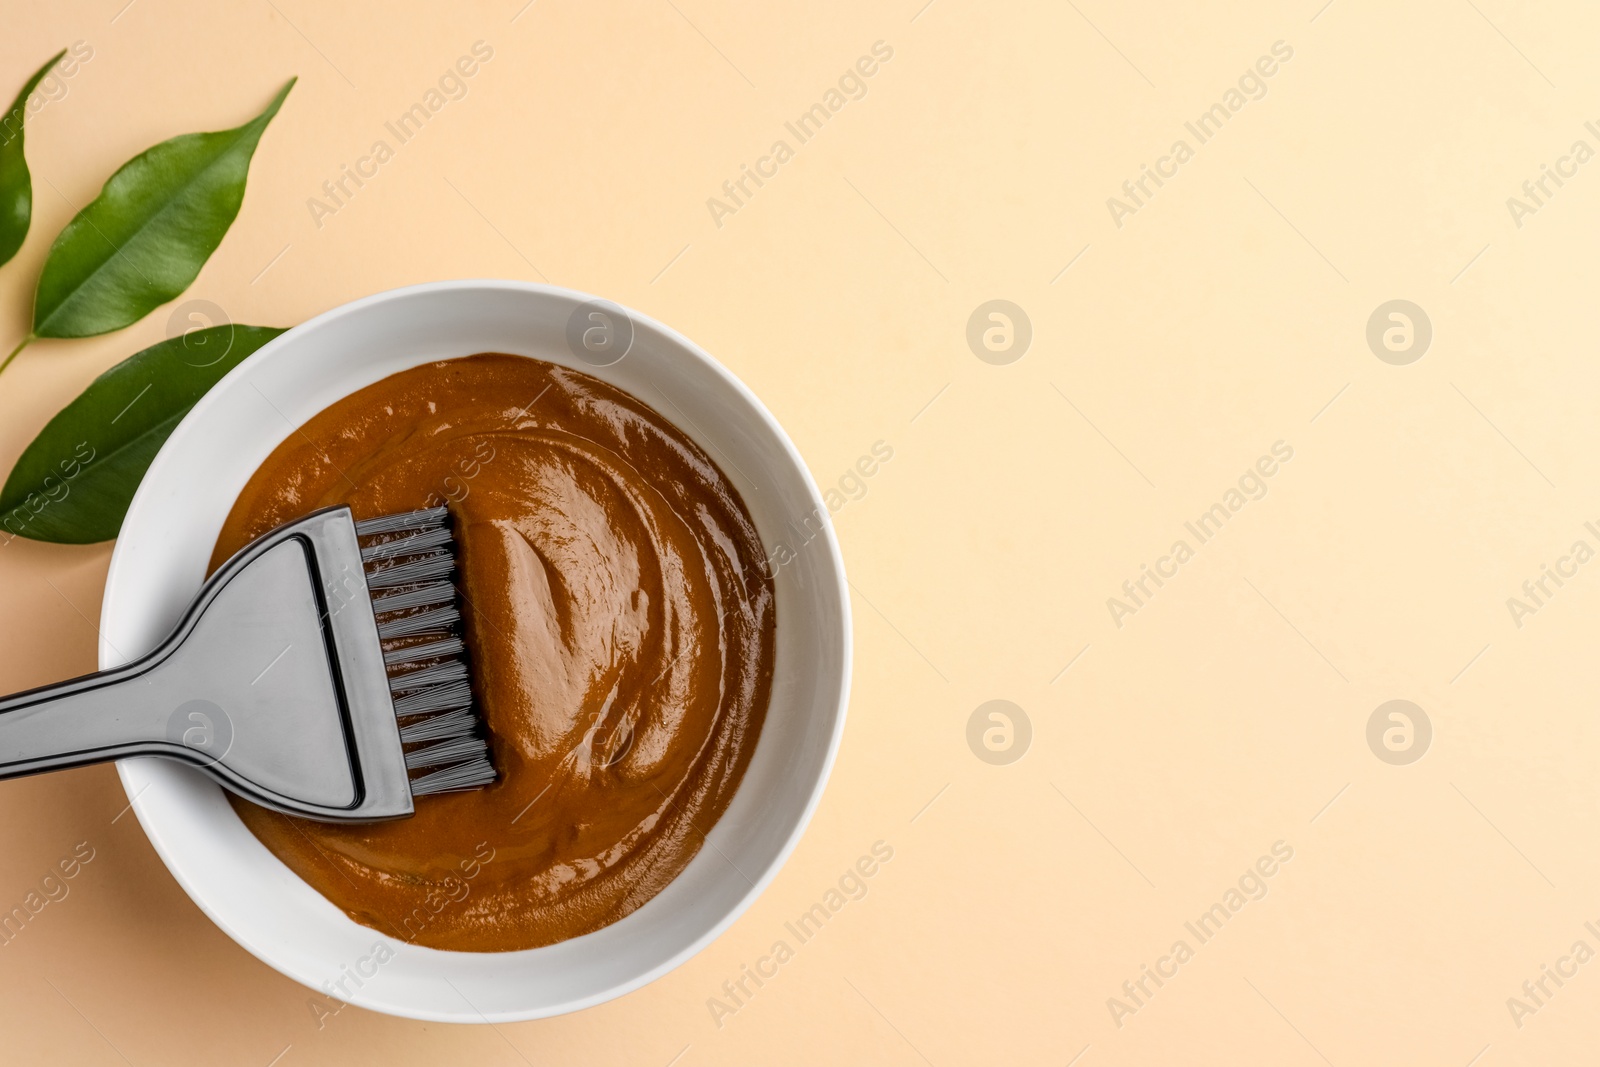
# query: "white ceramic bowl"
{"points": [[160, 562]]}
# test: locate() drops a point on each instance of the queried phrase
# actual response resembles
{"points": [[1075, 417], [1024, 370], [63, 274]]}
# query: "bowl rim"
{"points": [[134, 773]]}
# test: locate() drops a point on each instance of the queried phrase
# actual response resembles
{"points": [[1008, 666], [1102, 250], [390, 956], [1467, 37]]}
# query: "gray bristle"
{"points": [[425, 519], [433, 620], [410, 545], [454, 750], [450, 670], [408, 571], [422, 569], [449, 646], [458, 723], [438, 698], [423, 596], [474, 774]]}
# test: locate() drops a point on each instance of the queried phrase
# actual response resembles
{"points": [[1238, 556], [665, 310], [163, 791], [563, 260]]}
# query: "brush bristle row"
{"points": [[408, 559]]}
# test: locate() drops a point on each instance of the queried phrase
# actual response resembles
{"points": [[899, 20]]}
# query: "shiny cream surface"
{"points": [[620, 629]]}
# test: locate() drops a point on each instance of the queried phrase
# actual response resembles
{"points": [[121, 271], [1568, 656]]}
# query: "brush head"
{"points": [[409, 562]]}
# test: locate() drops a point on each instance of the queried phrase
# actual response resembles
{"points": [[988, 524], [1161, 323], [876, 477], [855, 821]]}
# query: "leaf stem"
{"points": [[24, 343]]}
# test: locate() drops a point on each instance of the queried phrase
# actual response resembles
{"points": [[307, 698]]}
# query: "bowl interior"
{"points": [[159, 563]]}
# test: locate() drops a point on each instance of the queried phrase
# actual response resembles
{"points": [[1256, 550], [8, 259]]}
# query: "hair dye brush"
{"points": [[319, 672]]}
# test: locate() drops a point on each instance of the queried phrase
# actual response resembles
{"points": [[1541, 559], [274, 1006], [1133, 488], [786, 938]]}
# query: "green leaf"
{"points": [[16, 184], [73, 483], [145, 237]]}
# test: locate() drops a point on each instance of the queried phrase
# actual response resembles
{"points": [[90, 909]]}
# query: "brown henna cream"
{"points": [[620, 629]]}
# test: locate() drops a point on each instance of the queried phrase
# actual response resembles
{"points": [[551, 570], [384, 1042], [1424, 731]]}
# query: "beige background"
{"points": [[1227, 314]]}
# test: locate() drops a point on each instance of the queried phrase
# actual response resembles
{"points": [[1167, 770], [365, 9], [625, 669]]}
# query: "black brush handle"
{"points": [[92, 719], [254, 686]]}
